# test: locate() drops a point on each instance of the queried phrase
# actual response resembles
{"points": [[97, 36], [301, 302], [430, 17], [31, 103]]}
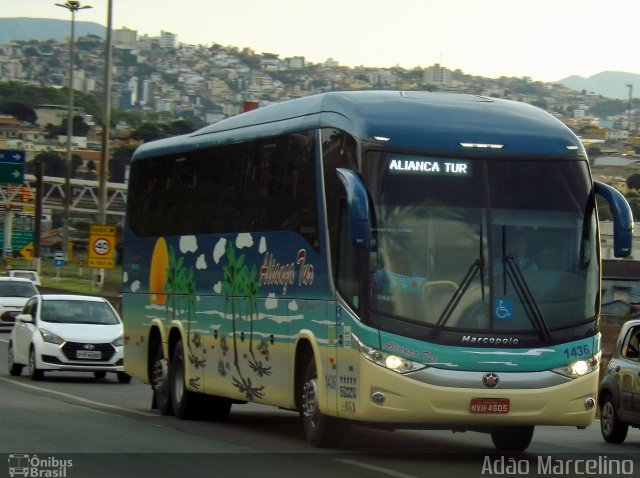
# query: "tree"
{"points": [[633, 181], [80, 128], [18, 109], [76, 162], [120, 159], [54, 165], [148, 132], [177, 127]]}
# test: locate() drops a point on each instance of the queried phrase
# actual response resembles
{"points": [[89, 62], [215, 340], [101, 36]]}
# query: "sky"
{"points": [[546, 40]]}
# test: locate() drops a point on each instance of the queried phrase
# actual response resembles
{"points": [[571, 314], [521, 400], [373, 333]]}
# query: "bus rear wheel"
{"points": [[320, 430], [512, 438], [160, 383]]}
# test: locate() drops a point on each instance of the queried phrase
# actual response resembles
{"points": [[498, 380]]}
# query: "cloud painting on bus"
{"points": [[183, 279]]}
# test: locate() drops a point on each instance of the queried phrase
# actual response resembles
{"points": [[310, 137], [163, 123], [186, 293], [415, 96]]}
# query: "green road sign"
{"points": [[11, 173], [12, 166], [19, 238]]}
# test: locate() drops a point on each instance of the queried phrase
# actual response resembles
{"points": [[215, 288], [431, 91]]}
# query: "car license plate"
{"points": [[489, 405], [89, 354]]}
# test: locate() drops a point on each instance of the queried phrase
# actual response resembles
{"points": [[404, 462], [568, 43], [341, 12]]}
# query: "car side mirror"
{"points": [[26, 318]]}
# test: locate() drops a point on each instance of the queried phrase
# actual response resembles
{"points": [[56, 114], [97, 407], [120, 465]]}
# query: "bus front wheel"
{"points": [[320, 430], [512, 438]]}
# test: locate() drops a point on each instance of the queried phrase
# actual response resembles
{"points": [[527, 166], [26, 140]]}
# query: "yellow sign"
{"points": [[102, 250], [27, 251]]}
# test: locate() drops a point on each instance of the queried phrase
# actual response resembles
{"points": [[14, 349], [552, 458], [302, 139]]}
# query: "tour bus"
{"points": [[401, 260]]}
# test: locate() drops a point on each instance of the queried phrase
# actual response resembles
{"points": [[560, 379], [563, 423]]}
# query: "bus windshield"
{"points": [[487, 245]]}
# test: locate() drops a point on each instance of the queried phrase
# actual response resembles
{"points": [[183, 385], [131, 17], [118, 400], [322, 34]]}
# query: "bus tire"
{"points": [[513, 438], [160, 383], [320, 430], [613, 431], [186, 404]]}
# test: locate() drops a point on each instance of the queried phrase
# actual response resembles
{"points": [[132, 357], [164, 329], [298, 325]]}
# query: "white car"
{"points": [[72, 333], [25, 274], [14, 293]]}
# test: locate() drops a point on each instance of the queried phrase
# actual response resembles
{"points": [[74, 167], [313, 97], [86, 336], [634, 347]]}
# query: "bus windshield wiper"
{"points": [[476, 266], [460, 291], [525, 295]]}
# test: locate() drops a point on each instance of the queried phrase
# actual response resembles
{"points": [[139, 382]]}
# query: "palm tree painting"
{"points": [[241, 285], [180, 287]]}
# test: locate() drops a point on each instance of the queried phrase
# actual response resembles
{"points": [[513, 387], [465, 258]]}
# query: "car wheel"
{"points": [[320, 430], [34, 372], [100, 375], [613, 431], [124, 377], [160, 383], [513, 438], [15, 369]]}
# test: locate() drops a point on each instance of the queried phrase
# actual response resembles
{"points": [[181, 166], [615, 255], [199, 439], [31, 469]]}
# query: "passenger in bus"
{"points": [[395, 275]]}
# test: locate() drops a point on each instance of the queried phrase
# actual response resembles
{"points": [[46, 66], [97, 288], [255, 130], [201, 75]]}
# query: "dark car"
{"points": [[619, 394]]}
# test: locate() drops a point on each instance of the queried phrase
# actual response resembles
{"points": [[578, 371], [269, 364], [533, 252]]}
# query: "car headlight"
{"points": [[388, 361], [51, 337], [579, 368], [119, 342]]}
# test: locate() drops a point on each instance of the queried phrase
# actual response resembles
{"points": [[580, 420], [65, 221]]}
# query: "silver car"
{"points": [[619, 394]]}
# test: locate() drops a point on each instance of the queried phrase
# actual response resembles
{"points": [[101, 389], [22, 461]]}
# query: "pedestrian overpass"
{"points": [[85, 197]]}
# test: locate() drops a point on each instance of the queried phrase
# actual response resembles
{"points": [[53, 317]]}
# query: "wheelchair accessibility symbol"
{"points": [[503, 309]]}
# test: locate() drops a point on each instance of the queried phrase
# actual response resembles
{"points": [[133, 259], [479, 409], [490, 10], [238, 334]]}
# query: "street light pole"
{"points": [[73, 6], [106, 120]]}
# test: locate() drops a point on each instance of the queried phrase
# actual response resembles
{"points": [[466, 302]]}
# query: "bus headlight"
{"points": [[580, 367], [388, 361]]}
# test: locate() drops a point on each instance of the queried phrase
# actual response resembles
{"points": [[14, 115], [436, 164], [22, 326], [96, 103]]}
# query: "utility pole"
{"points": [[630, 86], [106, 120], [73, 6]]}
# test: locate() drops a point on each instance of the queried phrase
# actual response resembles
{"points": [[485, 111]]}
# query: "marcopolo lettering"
{"points": [[473, 339]]}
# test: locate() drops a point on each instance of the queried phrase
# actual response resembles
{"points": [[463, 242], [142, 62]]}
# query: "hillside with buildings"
{"points": [[158, 80], [162, 87]]}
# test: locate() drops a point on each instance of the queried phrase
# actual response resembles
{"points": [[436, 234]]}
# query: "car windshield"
{"points": [[480, 244], [17, 289], [78, 312], [24, 275]]}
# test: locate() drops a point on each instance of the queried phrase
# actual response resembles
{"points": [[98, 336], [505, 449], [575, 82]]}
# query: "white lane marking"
{"points": [[78, 399], [385, 471]]}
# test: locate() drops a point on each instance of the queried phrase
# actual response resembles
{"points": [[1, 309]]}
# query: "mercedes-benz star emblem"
{"points": [[490, 380]]}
